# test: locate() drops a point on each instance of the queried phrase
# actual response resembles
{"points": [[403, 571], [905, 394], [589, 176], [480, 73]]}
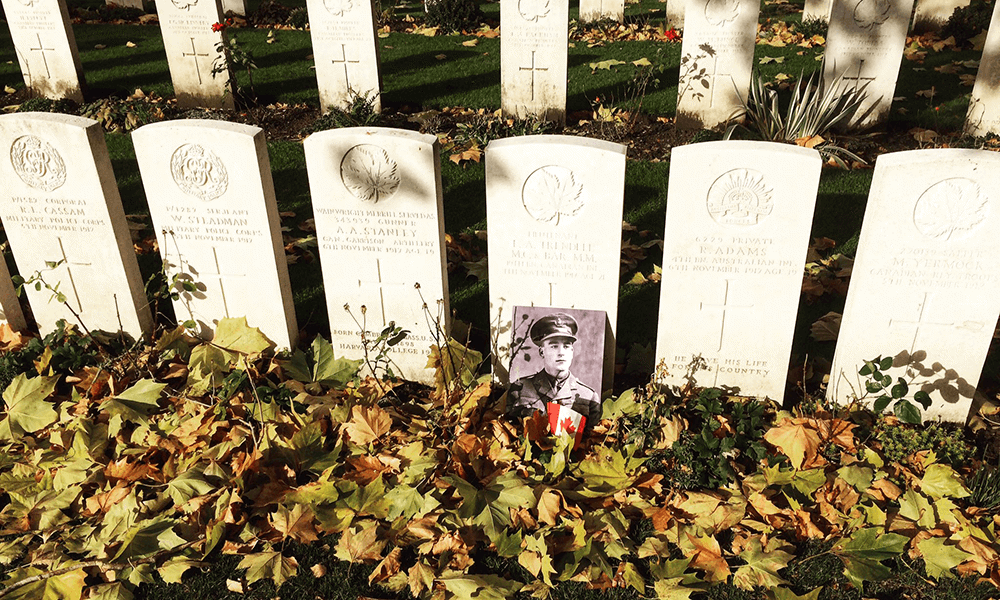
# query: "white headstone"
{"points": [[865, 45], [931, 15], [554, 209], [816, 10], [737, 230], [10, 308], [191, 47], [598, 10], [346, 52], [60, 205], [925, 287], [533, 58], [984, 109], [211, 198], [716, 60], [45, 46], [674, 14], [376, 195], [236, 7]]}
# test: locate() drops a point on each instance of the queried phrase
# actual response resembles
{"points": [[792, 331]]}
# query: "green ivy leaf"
{"points": [[923, 399], [907, 412], [900, 389], [26, 406]]}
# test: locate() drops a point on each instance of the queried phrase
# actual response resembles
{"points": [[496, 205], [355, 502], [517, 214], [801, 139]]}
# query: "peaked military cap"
{"points": [[555, 325]]}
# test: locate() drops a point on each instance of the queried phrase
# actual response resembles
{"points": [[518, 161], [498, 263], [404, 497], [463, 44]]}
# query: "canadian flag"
{"points": [[563, 419]]}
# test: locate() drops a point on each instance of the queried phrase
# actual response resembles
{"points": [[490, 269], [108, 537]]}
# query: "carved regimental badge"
{"points": [[37, 163], [870, 13], [952, 209], [551, 193], [739, 197], [198, 172], [369, 174], [720, 12]]}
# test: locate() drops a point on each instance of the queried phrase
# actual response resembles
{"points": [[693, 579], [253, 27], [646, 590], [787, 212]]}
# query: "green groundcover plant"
{"points": [[147, 466]]}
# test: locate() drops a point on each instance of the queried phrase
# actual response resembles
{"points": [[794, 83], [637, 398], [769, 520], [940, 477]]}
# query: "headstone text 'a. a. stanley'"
{"points": [[378, 207], [211, 199], [63, 216]]}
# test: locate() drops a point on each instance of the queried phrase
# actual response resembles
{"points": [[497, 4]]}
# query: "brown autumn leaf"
{"points": [[549, 504], [364, 469], [104, 501], [296, 523], [367, 424], [797, 440], [125, 470], [361, 544], [706, 555], [388, 567]]}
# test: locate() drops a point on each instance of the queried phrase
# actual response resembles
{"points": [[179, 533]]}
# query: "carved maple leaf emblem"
{"points": [[532, 10], [869, 13], [951, 209], [551, 193], [369, 174], [338, 7], [719, 12]]}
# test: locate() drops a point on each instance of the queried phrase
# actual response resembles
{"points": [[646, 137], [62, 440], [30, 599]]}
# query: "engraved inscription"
{"points": [[922, 320], [870, 13], [369, 174], [720, 12], [198, 172], [37, 163], [551, 193], [338, 7], [952, 209], [739, 197], [533, 10]]}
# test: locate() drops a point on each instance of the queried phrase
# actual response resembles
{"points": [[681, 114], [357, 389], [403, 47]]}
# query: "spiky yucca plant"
{"points": [[814, 111]]}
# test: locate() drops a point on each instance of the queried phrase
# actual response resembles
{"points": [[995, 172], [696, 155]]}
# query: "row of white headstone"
{"points": [[864, 48], [925, 286]]}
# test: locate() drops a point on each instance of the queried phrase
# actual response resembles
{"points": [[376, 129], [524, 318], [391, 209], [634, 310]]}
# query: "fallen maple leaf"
{"points": [[367, 424], [795, 439]]}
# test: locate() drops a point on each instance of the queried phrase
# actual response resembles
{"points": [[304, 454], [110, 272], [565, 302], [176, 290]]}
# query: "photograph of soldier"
{"points": [[556, 341]]}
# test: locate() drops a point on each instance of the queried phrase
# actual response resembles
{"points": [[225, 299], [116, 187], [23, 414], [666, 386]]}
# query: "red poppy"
{"points": [[217, 27]]}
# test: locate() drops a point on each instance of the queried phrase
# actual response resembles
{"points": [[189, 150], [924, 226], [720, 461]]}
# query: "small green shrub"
{"points": [[361, 113], [968, 21], [484, 127], [48, 105], [71, 351], [454, 15], [298, 18], [811, 27], [900, 441], [115, 114], [985, 487]]}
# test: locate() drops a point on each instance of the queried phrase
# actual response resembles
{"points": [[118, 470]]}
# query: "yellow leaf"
{"points": [[642, 62], [471, 43], [367, 424], [130, 44], [795, 440]]}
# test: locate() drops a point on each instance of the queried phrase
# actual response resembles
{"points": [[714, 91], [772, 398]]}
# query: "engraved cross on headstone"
{"points": [[66, 262], [381, 288], [532, 68], [194, 54], [343, 60], [715, 81], [42, 49], [724, 307], [858, 79], [196, 275], [922, 315]]}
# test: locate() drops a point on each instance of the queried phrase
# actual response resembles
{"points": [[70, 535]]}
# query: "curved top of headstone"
{"points": [[346, 132], [935, 155], [46, 117], [215, 126], [570, 140], [750, 147]]}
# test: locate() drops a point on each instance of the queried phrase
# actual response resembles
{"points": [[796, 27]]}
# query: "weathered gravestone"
{"points": [[864, 47], [931, 15], [737, 231], [10, 308], [984, 108], [597, 10], [816, 10], [925, 288], [554, 208], [533, 55], [191, 47], [45, 46], [716, 60], [63, 216], [346, 52], [378, 208], [211, 198]]}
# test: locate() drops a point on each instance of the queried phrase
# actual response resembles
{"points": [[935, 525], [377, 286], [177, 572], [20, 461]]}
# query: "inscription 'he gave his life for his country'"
{"points": [[719, 254], [368, 230]]}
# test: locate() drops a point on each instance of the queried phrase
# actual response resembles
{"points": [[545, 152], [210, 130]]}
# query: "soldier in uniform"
{"points": [[555, 336]]}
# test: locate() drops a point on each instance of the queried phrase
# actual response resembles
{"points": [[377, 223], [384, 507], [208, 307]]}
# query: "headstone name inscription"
{"points": [[64, 219], [211, 199]]}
